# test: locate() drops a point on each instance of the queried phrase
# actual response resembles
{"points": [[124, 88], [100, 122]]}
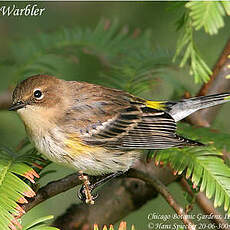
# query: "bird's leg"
{"points": [[85, 192], [106, 179]]}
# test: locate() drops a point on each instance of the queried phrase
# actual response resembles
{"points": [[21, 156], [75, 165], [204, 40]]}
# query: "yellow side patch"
{"points": [[227, 98], [156, 104], [76, 146]]}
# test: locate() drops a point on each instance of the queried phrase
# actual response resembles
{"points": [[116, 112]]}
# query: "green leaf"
{"points": [[186, 46], [202, 14], [137, 73], [207, 136], [38, 224], [208, 15], [55, 53], [43, 227], [14, 189], [226, 5], [204, 167], [126, 58]]}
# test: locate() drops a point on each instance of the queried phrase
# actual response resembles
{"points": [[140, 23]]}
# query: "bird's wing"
{"points": [[114, 119], [137, 126]]}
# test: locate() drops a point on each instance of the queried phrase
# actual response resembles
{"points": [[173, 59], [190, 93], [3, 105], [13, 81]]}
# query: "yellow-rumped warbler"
{"points": [[96, 129]]}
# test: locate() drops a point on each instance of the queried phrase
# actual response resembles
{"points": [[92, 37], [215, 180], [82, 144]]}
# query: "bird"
{"points": [[99, 130]]}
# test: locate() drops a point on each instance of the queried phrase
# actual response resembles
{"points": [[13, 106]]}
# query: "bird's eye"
{"points": [[38, 94]]}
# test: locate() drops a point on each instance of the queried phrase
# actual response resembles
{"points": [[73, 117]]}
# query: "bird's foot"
{"points": [[85, 192]]}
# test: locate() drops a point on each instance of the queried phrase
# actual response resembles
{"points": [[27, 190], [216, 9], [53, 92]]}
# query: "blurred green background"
{"points": [[157, 16]]}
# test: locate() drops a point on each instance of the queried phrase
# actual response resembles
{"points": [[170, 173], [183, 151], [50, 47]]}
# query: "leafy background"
{"points": [[15, 35]]}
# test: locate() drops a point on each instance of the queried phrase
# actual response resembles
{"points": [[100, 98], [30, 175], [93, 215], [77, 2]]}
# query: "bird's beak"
{"points": [[16, 106]]}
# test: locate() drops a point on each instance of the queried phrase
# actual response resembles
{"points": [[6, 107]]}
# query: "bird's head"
{"points": [[39, 98]]}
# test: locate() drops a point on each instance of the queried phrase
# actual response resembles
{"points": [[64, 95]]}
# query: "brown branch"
{"points": [[116, 200], [206, 205], [125, 191], [162, 189], [52, 189], [218, 84], [59, 186]]}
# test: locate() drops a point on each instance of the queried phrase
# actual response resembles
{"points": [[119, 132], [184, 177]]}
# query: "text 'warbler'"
{"points": [[99, 130]]}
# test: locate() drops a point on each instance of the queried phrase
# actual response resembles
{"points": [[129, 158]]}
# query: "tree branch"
{"points": [[218, 83], [116, 200], [125, 191], [59, 186], [52, 189], [162, 189], [206, 205]]}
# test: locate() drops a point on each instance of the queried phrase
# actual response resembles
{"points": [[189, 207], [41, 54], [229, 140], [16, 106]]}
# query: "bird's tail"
{"points": [[183, 108]]}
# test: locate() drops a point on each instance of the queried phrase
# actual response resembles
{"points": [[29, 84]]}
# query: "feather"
{"points": [[183, 108], [117, 120], [139, 127]]}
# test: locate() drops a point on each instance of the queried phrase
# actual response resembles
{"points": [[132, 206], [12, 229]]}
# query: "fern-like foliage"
{"points": [[205, 168], [126, 58], [208, 15], [186, 46], [207, 136], [203, 165], [201, 14], [122, 226], [13, 190], [16, 177], [55, 52], [136, 72]]}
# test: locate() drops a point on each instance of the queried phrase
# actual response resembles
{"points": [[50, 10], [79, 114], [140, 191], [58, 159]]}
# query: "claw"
{"points": [[95, 196], [91, 188], [85, 192], [85, 195], [81, 194]]}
